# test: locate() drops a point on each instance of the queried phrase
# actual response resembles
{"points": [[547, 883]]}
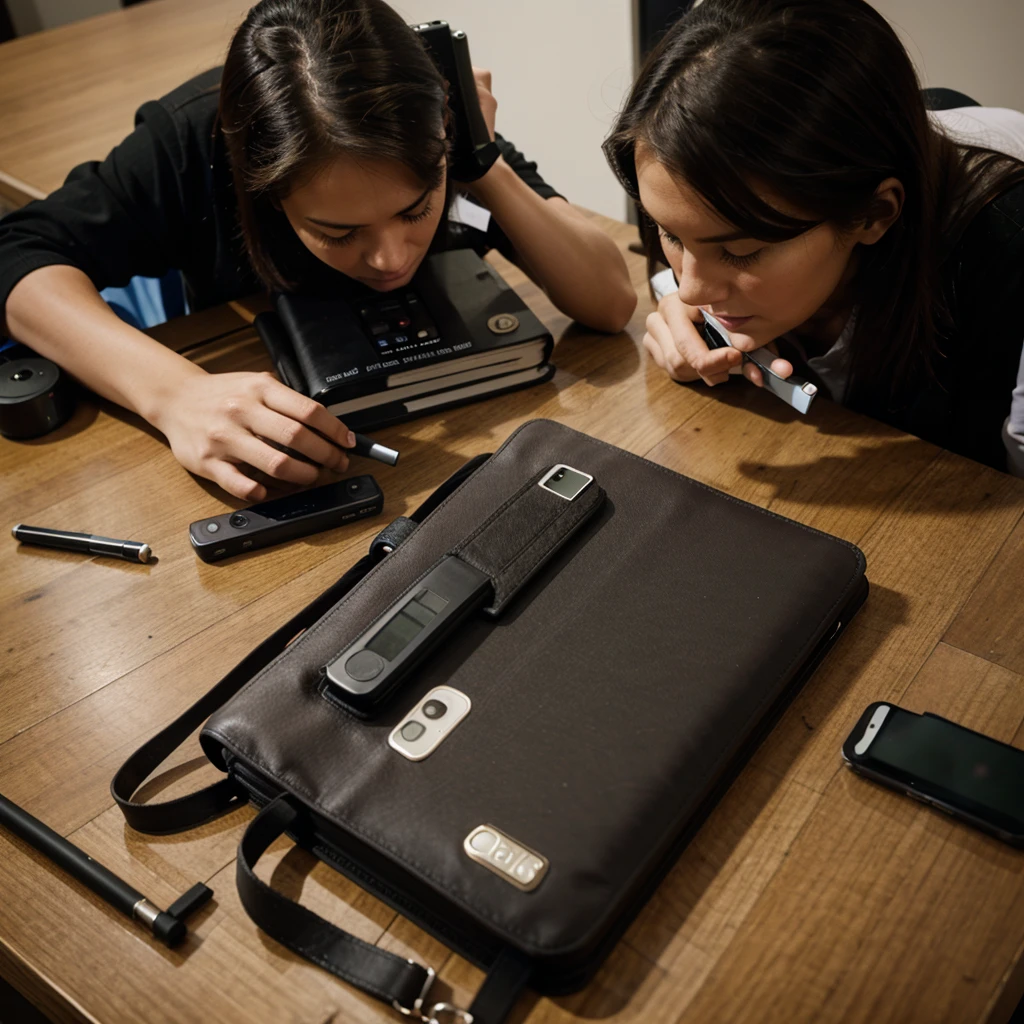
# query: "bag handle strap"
{"points": [[403, 983], [226, 794]]}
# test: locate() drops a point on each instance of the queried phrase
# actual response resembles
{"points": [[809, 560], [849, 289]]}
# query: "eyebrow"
{"points": [[351, 227], [728, 236]]}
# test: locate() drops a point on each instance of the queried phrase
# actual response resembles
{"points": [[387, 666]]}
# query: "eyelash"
{"points": [[727, 257], [409, 218]]}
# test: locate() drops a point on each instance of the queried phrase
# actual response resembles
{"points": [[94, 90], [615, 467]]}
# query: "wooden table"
{"points": [[810, 894], [69, 94]]}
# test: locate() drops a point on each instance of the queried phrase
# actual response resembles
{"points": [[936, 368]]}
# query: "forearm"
{"points": [[572, 259], [58, 313]]}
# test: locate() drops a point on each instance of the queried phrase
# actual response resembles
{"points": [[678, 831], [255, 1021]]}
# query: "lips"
{"points": [[388, 279], [731, 322]]}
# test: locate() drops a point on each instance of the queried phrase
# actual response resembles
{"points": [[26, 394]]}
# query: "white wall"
{"points": [[974, 46], [561, 69]]}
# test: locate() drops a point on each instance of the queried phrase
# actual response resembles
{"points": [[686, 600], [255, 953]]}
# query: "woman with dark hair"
{"points": [[803, 196], [318, 159]]}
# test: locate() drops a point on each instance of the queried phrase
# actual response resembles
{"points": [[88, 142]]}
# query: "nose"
{"points": [[698, 284], [388, 252]]}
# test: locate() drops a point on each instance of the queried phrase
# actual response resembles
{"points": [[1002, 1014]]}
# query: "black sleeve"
{"points": [[494, 238], [128, 215]]}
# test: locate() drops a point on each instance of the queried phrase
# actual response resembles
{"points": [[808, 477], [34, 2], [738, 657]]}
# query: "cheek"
{"points": [[797, 281]]}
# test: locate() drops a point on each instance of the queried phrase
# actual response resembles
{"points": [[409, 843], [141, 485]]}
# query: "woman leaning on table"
{"points": [[316, 158], [806, 199]]}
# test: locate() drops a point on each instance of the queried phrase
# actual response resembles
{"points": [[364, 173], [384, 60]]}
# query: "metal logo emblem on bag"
{"points": [[503, 323], [501, 854]]}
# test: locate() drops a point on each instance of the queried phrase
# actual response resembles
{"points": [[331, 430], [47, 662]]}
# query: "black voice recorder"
{"points": [[281, 519]]}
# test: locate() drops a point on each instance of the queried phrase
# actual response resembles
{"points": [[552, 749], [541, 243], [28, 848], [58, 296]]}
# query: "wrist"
{"points": [[493, 182], [162, 388]]}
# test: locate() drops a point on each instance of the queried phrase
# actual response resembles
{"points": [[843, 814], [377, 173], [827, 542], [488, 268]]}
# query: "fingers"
{"points": [[677, 348], [482, 77], [294, 435], [274, 463], [767, 355], [303, 410], [235, 482]]}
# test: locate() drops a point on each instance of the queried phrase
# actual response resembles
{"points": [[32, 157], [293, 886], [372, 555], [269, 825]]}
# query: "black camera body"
{"points": [[473, 149]]}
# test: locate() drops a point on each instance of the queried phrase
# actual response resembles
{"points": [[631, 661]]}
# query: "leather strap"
{"points": [[505, 981], [389, 977], [374, 970], [220, 797]]}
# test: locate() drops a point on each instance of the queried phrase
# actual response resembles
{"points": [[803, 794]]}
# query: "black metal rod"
{"points": [[102, 881]]}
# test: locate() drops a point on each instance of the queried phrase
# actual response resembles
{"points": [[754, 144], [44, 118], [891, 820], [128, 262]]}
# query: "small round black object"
{"points": [[35, 398], [435, 709], [238, 520]]}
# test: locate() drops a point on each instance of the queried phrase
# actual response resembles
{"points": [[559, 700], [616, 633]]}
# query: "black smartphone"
{"points": [[964, 773], [280, 519], [473, 150]]}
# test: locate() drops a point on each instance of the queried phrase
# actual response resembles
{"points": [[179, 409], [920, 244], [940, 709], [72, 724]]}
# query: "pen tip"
{"points": [[144, 553]]}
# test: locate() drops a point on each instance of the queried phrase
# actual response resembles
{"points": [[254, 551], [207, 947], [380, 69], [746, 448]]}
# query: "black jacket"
{"points": [[963, 407], [163, 200]]}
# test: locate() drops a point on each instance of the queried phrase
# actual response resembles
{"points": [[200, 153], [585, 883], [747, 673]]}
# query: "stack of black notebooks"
{"points": [[455, 334]]}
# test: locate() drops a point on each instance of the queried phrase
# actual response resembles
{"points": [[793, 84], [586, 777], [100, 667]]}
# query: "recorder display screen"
{"points": [[403, 627]]}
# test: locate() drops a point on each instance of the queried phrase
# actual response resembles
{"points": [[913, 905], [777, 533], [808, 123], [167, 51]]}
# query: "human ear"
{"points": [[883, 211]]}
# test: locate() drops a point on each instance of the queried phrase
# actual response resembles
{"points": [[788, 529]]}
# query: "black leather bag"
{"points": [[626, 680]]}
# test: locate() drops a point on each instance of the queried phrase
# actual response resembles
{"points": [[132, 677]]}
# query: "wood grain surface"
{"points": [[808, 895], [70, 94]]}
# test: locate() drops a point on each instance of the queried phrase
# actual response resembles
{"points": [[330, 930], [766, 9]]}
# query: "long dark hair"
{"points": [[308, 80], [817, 102]]}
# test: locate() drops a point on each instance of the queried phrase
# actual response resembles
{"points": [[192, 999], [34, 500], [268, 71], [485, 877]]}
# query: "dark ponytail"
{"points": [[816, 102], [308, 80]]}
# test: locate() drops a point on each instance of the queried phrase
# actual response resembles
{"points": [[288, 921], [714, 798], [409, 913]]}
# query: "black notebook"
{"points": [[456, 333]]}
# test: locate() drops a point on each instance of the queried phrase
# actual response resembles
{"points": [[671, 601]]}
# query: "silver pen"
{"points": [[86, 543]]}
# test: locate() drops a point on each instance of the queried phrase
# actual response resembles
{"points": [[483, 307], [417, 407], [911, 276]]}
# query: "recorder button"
{"points": [[212, 527], [483, 841], [364, 666]]}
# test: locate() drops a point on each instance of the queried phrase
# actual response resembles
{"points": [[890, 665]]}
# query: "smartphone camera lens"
{"points": [[412, 731], [435, 709], [559, 475], [238, 520]]}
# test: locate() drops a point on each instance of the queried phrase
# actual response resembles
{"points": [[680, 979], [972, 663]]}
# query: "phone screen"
{"points": [[979, 775]]}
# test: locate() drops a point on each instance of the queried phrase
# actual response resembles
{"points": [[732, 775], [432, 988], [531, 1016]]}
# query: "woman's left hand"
{"points": [[488, 104]]}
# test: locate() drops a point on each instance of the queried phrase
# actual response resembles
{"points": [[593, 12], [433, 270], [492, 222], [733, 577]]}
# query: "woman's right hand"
{"points": [[674, 344], [216, 422]]}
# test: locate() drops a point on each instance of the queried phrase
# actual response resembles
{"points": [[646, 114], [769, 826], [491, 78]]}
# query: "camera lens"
{"points": [[238, 520], [435, 709], [412, 731]]}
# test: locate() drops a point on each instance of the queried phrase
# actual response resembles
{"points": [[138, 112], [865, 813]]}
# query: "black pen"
{"points": [[86, 543], [167, 925], [370, 449]]}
